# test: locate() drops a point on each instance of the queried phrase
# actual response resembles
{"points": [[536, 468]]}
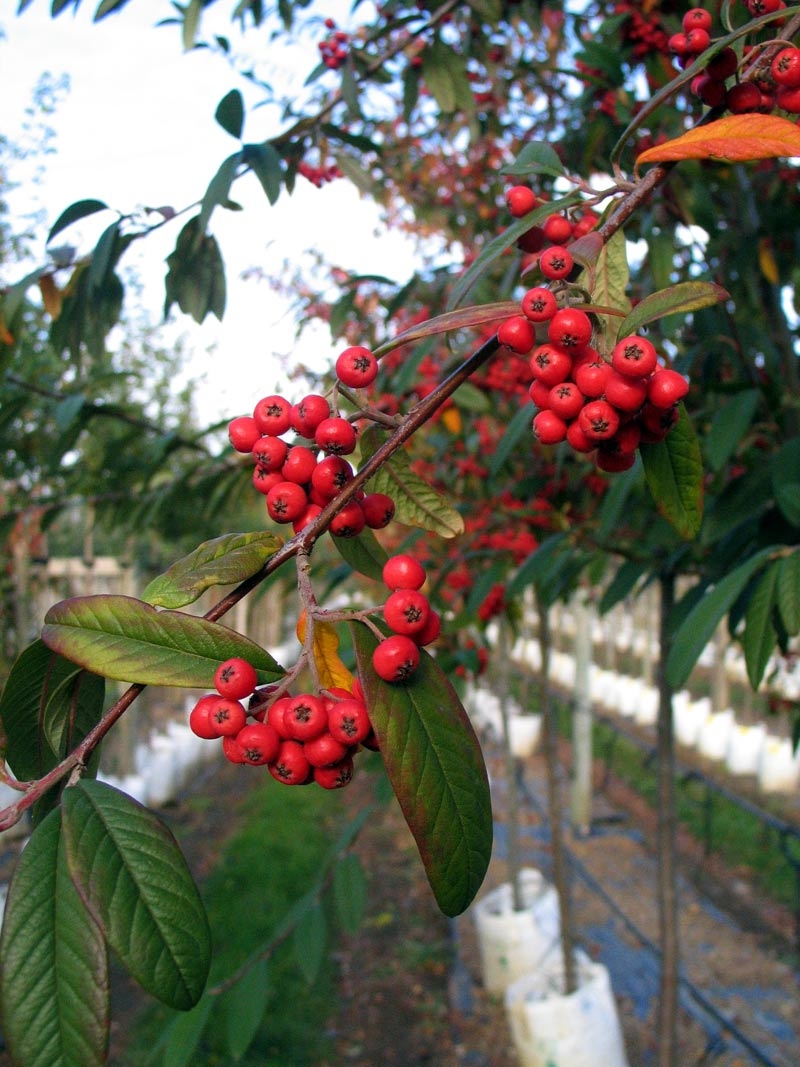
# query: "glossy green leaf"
{"points": [[610, 277], [518, 429], [785, 474], [225, 560], [310, 939], [243, 1008], [55, 990], [460, 319], [788, 592], [267, 165], [699, 624], [675, 299], [537, 565], [436, 768], [196, 274], [674, 472], [759, 637], [536, 157], [230, 113], [365, 554], [183, 1035], [350, 892], [622, 584], [81, 209], [217, 193], [134, 879], [124, 638], [38, 676]]}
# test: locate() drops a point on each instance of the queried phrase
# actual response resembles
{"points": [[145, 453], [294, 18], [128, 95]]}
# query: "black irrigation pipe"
{"points": [[786, 831], [696, 994]]}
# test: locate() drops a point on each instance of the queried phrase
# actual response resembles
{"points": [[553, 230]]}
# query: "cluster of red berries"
{"points": [[319, 175], [333, 49], [300, 739], [713, 86], [299, 480], [408, 613], [550, 238], [602, 407]]}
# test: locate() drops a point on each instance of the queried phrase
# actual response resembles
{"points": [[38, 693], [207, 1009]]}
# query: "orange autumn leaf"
{"points": [[332, 671], [733, 139], [52, 297]]}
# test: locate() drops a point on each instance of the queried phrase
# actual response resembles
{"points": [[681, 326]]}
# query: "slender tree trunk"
{"points": [[581, 797], [667, 869], [554, 805], [502, 689]]}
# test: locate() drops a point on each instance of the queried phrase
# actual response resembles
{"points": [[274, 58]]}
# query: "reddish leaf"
{"points": [[732, 139]]}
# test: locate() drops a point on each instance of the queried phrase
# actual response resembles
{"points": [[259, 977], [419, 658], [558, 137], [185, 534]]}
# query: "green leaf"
{"points": [[436, 768], [267, 165], [674, 472], [55, 990], [759, 633], [310, 939], [536, 157], [615, 501], [675, 299], [79, 210], [191, 23], [73, 708], [699, 625], [416, 503], [107, 7], [230, 113], [219, 189], [224, 560], [124, 638], [610, 275], [38, 676], [350, 91], [788, 592], [623, 582], [785, 474], [350, 892], [517, 429], [444, 74], [243, 1008], [196, 276], [365, 554], [537, 565], [729, 427], [184, 1033], [133, 877]]}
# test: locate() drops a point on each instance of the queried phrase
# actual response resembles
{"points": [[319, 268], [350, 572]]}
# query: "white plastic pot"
{"points": [[511, 943], [779, 766], [551, 1029], [715, 735], [744, 748], [524, 732]]}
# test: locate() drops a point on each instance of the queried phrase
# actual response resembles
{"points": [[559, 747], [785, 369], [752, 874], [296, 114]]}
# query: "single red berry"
{"points": [[666, 388], [585, 224], [200, 721], [324, 750], [788, 99], [555, 262], [655, 423], [348, 721], [570, 329], [274, 716], [336, 435], [710, 90], [566, 400], [308, 414], [532, 240], [264, 480], [330, 475], [299, 465], [539, 392], [290, 765], [228, 716], [578, 440], [598, 420], [550, 364], [406, 611], [557, 229], [396, 658], [743, 98], [634, 356], [549, 428], [591, 377], [273, 415], [763, 7], [378, 510], [677, 44], [626, 439], [722, 65], [311, 512], [243, 433], [697, 41], [232, 750], [269, 452], [696, 18], [235, 678], [785, 68], [259, 742], [349, 521], [625, 393], [403, 572], [520, 200], [304, 717], [286, 502], [614, 462], [431, 631], [337, 776], [517, 334], [539, 304], [356, 367]]}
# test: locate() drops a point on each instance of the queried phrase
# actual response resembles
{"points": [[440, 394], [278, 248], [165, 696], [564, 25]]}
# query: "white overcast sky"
{"points": [[137, 128]]}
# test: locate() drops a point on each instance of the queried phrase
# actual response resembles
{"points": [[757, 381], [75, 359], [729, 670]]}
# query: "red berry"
{"points": [[555, 262], [539, 304], [788, 100], [550, 364], [539, 392], [723, 65], [655, 423], [200, 721], [286, 502], [743, 98], [349, 521], [598, 420], [264, 480], [232, 750], [403, 572], [274, 717], [406, 611], [613, 462], [337, 776], [591, 377], [625, 393], [517, 334], [290, 765], [308, 414], [666, 388], [566, 400], [378, 510], [677, 44], [336, 435], [549, 428], [273, 415], [520, 200], [710, 90], [785, 68], [430, 631], [557, 229], [532, 240], [348, 721], [243, 433], [324, 750], [304, 717], [259, 742], [570, 329], [228, 716], [578, 440], [634, 356], [311, 512], [269, 452], [356, 367], [696, 18], [330, 475], [697, 41], [299, 465], [235, 678], [396, 658]]}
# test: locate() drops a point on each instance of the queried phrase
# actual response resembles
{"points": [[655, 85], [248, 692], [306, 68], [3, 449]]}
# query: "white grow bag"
{"points": [[511, 943], [550, 1029], [524, 732]]}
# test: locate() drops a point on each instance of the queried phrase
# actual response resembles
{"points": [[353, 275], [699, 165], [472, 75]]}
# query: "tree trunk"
{"points": [[581, 799], [667, 871], [502, 689]]}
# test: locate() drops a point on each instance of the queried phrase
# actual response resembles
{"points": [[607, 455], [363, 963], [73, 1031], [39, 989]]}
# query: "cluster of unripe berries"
{"points": [[408, 613], [333, 49], [299, 739], [713, 86], [599, 406], [298, 480]]}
